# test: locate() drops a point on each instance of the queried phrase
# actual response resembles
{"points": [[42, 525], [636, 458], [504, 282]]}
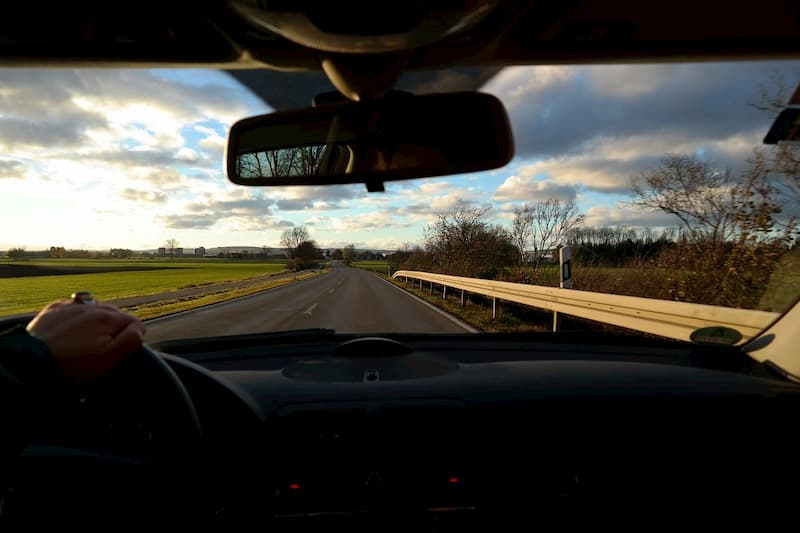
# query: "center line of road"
{"points": [[310, 310]]}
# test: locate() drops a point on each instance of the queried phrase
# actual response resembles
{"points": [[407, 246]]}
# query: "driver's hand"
{"points": [[87, 340]]}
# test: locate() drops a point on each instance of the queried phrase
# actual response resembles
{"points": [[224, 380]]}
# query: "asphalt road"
{"points": [[348, 300]]}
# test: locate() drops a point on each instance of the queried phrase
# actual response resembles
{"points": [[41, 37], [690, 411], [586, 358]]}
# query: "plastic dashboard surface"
{"points": [[485, 439]]}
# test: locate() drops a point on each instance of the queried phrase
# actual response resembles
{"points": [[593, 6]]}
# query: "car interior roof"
{"points": [[210, 34]]}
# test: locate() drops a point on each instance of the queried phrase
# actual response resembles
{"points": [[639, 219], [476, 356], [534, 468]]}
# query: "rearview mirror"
{"points": [[398, 137]]}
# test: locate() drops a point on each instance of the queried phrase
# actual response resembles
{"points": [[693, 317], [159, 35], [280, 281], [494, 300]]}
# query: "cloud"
{"points": [[237, 210], [263, 223], [529, 189], [628, 216], [66, 130], [559, 111], [320, 221], [230, 223], [11, 169], [188, 221], [121, 120], [521, 83], [367, 222], [317, 197], [370, 244], [440, 204], [435, 187], [608, 164], [376, 220], [294, 205], [431, 197], [136, 195], [236, 204], [162, 178], [213, 143], [187, 155]]}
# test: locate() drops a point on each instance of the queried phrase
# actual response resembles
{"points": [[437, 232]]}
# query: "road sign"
{"points": [[565, 261]]}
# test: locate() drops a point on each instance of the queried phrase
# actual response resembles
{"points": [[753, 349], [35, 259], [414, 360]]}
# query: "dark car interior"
{"points": [[313, 429]]}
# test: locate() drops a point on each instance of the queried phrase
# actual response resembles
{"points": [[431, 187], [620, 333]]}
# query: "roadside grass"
{"points": [[784, 284], [375, 266], [177, 305], [28, 294], [476, 312]]}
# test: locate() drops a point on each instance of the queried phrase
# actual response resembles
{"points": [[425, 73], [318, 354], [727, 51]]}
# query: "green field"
{"points": [[377, 266], [28, 293]]}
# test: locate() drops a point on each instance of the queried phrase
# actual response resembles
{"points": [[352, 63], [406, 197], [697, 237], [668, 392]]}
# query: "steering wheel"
{"points": [[126, 447]]}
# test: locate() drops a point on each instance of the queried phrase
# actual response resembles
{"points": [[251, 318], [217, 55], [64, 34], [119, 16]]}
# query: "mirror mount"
{"points": [[365, 77], [374, 185]]}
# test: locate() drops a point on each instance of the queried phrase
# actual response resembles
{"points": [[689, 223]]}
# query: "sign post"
{"points": [[565, 275], [565, 262]]}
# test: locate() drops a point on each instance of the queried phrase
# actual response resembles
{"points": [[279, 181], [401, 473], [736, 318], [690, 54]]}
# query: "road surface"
{"points": [[348, 300]]}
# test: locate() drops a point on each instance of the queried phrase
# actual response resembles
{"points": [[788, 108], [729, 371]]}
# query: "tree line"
{"points": [[730, 232], [60, 252]]}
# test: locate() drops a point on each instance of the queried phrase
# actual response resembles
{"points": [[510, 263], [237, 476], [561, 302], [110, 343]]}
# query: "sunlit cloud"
{"points": [[628, 215], [528, 189], [156, 197]]}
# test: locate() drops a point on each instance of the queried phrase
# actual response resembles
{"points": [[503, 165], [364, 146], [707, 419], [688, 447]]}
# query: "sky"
{"points": [[104, 158]]}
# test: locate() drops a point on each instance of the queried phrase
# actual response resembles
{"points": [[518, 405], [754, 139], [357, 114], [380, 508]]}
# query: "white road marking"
{"points": [[310, 310], [331, 291]]}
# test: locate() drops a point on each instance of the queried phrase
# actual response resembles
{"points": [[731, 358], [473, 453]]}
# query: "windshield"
{"points": [[639, 180]]}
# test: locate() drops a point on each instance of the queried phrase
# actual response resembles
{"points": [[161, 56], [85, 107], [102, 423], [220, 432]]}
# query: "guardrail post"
{"points": [[555, 321], [444, 292], [431, 287], [463, 302], [494, 307]]}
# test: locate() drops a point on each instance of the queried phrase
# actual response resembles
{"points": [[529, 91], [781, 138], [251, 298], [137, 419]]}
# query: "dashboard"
{"points": [[446, 438]]}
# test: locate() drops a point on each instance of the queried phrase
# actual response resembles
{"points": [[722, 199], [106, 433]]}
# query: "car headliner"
{"points": [[208, 34]]}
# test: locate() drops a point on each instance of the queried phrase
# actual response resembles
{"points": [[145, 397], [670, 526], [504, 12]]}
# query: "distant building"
{"points": [[200, 252], [178, 252], [162, 252]]}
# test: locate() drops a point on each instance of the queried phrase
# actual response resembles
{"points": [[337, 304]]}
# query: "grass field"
{"points": [[784, 284], [107, 280], [376, 266]]}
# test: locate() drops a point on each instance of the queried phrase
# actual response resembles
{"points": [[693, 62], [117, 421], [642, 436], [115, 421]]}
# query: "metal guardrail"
{"points": [[676, 320]]}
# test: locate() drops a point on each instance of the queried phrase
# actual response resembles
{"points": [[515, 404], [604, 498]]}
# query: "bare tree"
{"points": [[461, 241], [697, 193], [171, 245], [784, 159], [541, 226], [293, 161], [711, 204], [292, 238]]}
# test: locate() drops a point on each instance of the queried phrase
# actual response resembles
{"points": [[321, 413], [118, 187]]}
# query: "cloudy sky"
{"points": [[130, 158]]}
